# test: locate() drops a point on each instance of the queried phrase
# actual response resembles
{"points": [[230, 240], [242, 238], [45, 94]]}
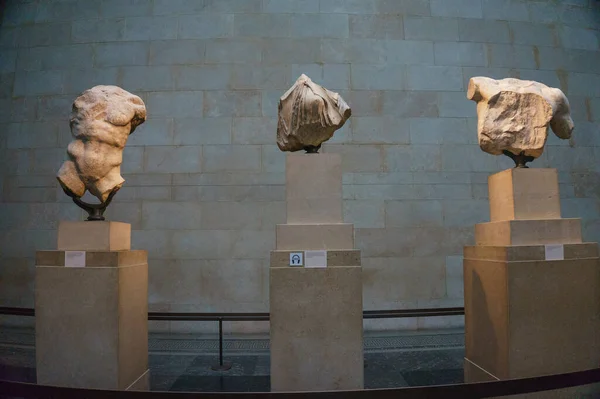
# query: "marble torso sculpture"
{"points": [[308, 116], [513, 116], [102, 118]]}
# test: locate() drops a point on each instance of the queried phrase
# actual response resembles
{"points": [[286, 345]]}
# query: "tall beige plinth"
{"points": [[532, 287], [316, 303], [91, 309]]}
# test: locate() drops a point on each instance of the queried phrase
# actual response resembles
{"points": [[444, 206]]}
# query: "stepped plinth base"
{"points": [[316, 300], [91, 311], [532, 287]]}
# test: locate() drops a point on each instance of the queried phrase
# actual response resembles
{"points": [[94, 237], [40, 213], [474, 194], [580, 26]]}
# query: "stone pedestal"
{"points": [[316, 312], [532, 287], [91, 308]]}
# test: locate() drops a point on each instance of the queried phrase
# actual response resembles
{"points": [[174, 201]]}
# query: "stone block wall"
{"points": [[205, 180]]}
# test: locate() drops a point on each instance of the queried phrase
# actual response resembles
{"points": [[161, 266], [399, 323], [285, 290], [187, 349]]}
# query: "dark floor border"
{"points": [[475, 390]]}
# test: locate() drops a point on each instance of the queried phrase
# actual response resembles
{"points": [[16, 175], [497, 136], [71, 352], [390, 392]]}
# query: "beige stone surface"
{"points": [[334, 258], [530, 318], [316, 328], [102, 119], [529, 232], [521, 193], [514, 114], [91, 325], [313, 188], [94, 236], [528, 252], [308, 116], [315, 236]]}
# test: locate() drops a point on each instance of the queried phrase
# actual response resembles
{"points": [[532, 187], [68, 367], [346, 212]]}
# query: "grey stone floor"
{"points": [[182, 362]]}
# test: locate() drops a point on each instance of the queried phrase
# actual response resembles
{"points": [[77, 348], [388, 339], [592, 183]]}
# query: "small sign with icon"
{"points": [[296, 259]]}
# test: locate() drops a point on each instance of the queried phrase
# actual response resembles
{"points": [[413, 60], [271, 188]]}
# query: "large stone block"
{"points": [[413, 52], [262, 25], [533, 34], [511, 56], [320, 25], [579, 38], [233, 50], [39, 83], [365, 213], [430, 28], [78, 80], [516, 311], [505, 11], [94, 236], [97, 30], [170, 159], [233, 6], [148, 78], [267, 77], [435, 78], [413, 213], [92, 321], [203, 77], [355, 51], [162, 52], [461, 8], [117, 54], [480, 30], [232, 158], [232, 103], [411, 103], [322, 310], [358, 158], [202, 26], [171, 215], [524, 194], [291, 50], [406, 7], [529, 232], [187, 104], [233, 215], [314, 188], [391, 280], [460, 54], [151, 28], [453, 104], [290, 6], [376, 26], [125, 8], [56, 57], [315, 236], [378, 77]]}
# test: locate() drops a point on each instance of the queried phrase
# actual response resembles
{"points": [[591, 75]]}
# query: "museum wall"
{"points": [[204, 179]]}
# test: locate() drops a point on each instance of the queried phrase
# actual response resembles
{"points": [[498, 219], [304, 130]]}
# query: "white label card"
{"points": [[74, 258], [315, 258], [555, 251], [296, 259]]}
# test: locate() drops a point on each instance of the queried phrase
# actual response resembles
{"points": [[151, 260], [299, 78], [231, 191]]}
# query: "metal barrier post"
{"points": [[221, 366]]}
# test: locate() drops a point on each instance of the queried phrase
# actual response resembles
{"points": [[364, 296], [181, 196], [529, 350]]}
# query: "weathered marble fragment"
{"points": [[309, 115], [513, 115], [102, 118]]}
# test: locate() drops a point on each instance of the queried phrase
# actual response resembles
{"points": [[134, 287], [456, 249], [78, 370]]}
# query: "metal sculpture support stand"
{"points": [[95, 211], [311, 149], [520, 160]]}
